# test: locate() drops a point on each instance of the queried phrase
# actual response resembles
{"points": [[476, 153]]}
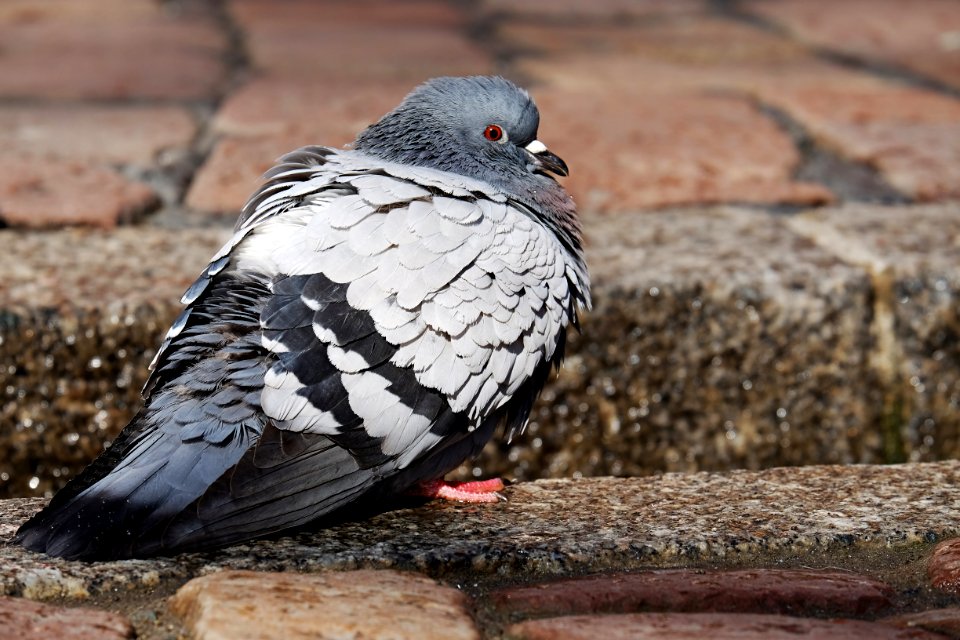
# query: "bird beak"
{"points": [[546, 160]]}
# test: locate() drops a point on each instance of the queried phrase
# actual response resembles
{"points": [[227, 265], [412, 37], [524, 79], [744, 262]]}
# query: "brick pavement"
{"points": [[804, 325], [831, 551], [657, 103]]}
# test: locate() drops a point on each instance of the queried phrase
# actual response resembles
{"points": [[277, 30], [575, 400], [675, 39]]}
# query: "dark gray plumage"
{"points": [[377, 314]]}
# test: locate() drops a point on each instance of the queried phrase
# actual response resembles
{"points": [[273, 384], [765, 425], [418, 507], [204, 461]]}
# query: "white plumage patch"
{"points": [[471, 292]]}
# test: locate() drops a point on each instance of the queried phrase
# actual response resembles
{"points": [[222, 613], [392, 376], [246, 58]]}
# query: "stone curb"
{"points": [[720, 338], [845, 540], [564, 527]]}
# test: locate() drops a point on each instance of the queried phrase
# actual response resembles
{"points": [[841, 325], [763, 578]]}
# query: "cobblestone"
{"points": [[44, 193], [605, 10], [233, 170], [722, 626], [95, 134], [373, 605], [886, 31], [256, 15], [320, 112], [27, 620], [109, 51], [946, 621], [304, 39], [670, 150], [743, 335], [270, 117], [911, 136], [944, 566], [759, 591]]}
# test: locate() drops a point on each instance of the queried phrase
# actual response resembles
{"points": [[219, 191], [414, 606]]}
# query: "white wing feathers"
{"points": [[472, 293]]}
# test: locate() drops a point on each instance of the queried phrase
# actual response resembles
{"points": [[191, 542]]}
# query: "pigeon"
{"points": [[379, 313]]}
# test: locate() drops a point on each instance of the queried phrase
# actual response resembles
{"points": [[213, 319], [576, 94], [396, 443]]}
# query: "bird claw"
{"points": [[481, 491]]}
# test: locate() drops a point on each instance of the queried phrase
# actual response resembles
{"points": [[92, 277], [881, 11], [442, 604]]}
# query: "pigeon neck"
{"points": [[392, 139]]}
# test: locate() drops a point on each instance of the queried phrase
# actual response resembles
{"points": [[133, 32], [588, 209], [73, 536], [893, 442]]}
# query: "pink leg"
{"points": [[479, 491]]}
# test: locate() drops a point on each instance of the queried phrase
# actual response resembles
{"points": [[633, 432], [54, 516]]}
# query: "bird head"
{"points": [[482, 127]]}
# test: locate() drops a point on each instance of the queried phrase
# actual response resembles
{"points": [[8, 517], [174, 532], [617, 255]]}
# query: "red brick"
{"points": [[92, 51], [762, 591], [911, 135], [270, 117], [52, 192], [322, 112], [233, 171], [86, 133], [24, 12], [700, 42], [594, 9], [695, 626], [890, 31], [365, 52], [628, 151], [255, 15], [27, 620], [943, 568], [945, 621], [702, 54], [374, 605]]}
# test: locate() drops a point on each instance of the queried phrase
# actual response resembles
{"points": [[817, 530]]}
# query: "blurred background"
{"points": [[768, 188]]}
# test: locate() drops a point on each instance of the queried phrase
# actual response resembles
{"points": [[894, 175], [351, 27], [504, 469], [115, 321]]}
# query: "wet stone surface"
{"points": [[943, 568], [945, 621], [80, 315], [791, 591], [561, 528], [723, 626]]}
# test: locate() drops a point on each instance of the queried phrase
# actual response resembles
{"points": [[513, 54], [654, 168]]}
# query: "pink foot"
{"points": [[478, 491]]}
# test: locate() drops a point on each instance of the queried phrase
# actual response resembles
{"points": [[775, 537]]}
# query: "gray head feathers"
{"points": [[443, 124], [482, 127]]}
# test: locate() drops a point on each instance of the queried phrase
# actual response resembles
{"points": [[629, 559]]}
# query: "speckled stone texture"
{"points": [[367, 605], [718, 339], [913, 254], [564, 527], [81, 313]]}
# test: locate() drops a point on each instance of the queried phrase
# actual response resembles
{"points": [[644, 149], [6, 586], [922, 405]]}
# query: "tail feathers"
{"points": [[170, 496], [287, 480], [110, 518]]}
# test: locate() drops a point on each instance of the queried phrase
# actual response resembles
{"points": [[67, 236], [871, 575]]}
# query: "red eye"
{"points": [[493, 132]]}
